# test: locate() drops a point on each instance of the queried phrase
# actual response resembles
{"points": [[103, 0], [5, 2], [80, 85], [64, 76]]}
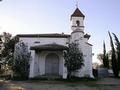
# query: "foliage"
{"points": [[21, 60], [95, 65], [7, 54], [100, 57], [113, 57], [105, 57], [117, 43], [73, 58]]}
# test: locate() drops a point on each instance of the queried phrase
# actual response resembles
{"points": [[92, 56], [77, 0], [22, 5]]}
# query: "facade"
{"points": [[47, 50]]}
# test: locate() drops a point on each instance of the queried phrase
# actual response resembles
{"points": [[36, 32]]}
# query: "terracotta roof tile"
{"points": [[77, 13]]}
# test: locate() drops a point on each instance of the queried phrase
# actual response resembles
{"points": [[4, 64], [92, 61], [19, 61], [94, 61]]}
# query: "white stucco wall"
{"points": [[31, 73], [73, 23], [77, 36], [74, 19], [86, 49], [31, 41]]}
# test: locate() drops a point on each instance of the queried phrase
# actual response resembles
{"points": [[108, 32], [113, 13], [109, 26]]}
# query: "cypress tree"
{"points": [[117, 43], [113, 58], [105, 57]]}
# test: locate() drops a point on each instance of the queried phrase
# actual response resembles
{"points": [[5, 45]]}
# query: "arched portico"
{"points": [[49, 60]]}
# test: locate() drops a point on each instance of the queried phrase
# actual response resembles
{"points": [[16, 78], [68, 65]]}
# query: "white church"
{"points": [[47, 50]]}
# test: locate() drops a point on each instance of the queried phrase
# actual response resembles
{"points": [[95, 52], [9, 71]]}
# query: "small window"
{"points": [[78, 23], [37, 42]]}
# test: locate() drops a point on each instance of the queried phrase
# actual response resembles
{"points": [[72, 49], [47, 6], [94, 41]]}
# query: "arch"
{"points": [[52, 64], [78, 23]]}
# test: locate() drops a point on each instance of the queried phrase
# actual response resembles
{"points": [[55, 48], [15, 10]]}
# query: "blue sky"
{"points": [[53, 16]]}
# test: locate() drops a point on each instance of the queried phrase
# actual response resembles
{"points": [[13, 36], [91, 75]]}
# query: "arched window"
{"points": [[78, 23]]}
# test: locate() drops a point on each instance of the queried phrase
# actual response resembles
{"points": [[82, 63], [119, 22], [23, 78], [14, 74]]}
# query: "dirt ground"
{"points": [[102, 84]]}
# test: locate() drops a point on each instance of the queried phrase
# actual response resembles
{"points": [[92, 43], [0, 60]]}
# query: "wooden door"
{"points": [[52, 64]]}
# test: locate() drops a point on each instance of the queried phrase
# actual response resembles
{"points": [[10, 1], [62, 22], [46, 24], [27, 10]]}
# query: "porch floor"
{"points": [[49, 77]]}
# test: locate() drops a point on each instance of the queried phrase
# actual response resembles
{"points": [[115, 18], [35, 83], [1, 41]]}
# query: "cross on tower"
{"points": [[77, 2]]}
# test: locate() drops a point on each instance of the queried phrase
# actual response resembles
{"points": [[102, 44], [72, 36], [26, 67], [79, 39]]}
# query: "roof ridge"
{"points": [[43, 35]]}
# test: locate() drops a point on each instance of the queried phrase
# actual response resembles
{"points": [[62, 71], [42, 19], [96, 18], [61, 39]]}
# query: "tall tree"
{"points": [[7, 53], [117, 43], [73, 58], [105, 57], [114, 60], [21, 60]]}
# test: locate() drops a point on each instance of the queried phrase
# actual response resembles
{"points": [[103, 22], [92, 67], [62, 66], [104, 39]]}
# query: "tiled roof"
{"points": [[44, 35], [77, 13], [89, 44], [49, 47]]}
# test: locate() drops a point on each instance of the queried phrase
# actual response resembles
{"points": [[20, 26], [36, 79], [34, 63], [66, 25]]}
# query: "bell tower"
{"points": [[78, 36], [77, 24]]}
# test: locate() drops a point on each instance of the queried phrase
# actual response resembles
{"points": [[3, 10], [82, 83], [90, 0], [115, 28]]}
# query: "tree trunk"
{"points": [[116, 72], [69, 75]]}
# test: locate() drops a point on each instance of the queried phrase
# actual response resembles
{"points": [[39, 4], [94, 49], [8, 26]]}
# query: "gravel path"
{"points": [[109, 81], [103, 84]]}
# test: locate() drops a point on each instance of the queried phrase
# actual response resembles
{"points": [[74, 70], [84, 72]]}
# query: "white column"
{"points": [[32, 62], [64, 70]]}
